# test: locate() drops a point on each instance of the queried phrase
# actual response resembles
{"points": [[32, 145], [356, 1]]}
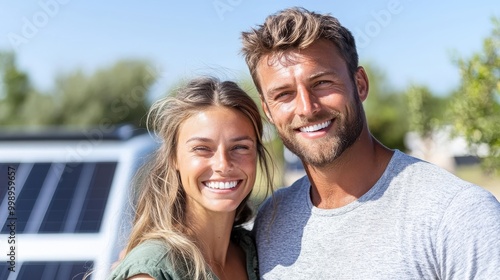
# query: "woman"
{"points": [[192, 198]]}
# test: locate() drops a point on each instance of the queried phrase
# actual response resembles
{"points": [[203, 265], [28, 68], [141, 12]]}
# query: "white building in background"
{"points": [[441, 148]]}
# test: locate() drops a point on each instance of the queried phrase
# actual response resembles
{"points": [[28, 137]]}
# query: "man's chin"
{"points": [[313, 156]]}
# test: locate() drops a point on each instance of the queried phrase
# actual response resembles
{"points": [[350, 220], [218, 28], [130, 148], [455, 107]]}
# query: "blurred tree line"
{"points": [[118, 94], [114, 95], [475, 105], [471, 111]]}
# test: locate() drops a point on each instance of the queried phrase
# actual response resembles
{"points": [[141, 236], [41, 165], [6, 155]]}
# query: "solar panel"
{"points": [[63, 199], [95, 200], [60, 197], [64, 270], [4, 179], [71, 199]]}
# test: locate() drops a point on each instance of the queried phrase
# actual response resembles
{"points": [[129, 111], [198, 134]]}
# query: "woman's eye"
{"points": [[241, 147], [200, 149]]}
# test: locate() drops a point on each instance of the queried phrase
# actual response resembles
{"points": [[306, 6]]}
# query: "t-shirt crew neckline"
{"points": [[379, 186]]}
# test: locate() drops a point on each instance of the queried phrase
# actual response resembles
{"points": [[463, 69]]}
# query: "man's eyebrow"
{"points": [[321, 74], [311, 77], [277, 88]]}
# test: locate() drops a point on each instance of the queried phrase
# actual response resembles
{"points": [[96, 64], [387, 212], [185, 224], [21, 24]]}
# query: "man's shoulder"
{"points": [[427, 183], [291, 192], [295, 187], [412, 170], [286, 195]]}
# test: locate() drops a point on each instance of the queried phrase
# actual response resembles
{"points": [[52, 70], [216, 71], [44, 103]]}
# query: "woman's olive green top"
{"points": [[150, 258]]}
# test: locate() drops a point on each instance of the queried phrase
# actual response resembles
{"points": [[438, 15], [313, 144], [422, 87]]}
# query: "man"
{"points": [[363, 211]]}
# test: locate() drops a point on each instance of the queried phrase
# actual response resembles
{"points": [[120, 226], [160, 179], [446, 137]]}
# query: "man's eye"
{"points": [[322, 83], [282, 95]]}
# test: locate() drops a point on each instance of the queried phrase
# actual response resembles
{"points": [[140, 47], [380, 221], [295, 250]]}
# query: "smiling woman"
{"points": [[192, 197], [216, 160]]}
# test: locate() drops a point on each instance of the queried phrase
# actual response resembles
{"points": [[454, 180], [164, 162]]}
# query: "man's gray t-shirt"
{"points": [[417, 222]]}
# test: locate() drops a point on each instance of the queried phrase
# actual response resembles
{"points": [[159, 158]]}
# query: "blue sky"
{"points": [[411, 41]]}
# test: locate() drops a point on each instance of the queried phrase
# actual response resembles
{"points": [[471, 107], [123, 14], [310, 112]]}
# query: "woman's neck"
{"points": [[212, 232]]}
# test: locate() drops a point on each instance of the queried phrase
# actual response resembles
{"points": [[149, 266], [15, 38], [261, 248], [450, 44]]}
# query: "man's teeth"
{"points": [[315, 127], [221, 185]]}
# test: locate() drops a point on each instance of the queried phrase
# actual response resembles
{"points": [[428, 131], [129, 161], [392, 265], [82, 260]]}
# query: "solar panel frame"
{"points": [[100, 242]]}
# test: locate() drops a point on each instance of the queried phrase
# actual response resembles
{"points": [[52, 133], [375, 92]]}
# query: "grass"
{"points": [[474, 174]]}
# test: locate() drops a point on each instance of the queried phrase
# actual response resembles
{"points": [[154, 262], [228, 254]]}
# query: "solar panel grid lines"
{"points": [[70, 207], [35, 202], [40, 270], [26, 195], [21, 175], [95, 202], [56, 217], [47, 190], [79, 197]]}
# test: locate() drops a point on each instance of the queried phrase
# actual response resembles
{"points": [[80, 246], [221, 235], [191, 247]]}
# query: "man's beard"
{"points": [[326, 151]]}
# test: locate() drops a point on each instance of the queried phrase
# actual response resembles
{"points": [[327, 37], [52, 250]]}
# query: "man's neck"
{"points": [[353, 174]]}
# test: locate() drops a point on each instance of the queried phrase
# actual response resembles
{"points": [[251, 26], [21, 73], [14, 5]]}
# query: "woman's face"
{"points": [[216, 159]]}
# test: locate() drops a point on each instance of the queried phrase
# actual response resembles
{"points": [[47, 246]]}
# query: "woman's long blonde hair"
{"points": [[160, 198]]}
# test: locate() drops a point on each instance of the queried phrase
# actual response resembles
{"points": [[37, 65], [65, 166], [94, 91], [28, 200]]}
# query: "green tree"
{"points": [[425, 110], [475, 108], [385, 110], [115, 95], [425, 120], [15, 89]]}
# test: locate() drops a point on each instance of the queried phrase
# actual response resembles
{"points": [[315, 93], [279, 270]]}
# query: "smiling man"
{"points": [[363, 211], [330, 117]]}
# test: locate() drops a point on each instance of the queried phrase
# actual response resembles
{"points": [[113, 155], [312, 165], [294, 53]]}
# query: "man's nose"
{"points": [[307, 103]]}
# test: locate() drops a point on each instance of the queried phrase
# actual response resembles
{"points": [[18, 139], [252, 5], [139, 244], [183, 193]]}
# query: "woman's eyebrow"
{"points": [[241, 138], [205, 139], [200, 139]]}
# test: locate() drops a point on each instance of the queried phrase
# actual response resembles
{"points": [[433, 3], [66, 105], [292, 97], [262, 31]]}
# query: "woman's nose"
{"points": [[222, 162]]}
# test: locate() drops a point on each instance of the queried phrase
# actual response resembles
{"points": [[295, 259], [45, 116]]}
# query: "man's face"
{"points": [[311, 99]]}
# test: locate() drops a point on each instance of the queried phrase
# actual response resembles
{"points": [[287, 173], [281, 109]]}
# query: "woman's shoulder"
{"points": [[149, 257], [152, 251], [244, 238]]}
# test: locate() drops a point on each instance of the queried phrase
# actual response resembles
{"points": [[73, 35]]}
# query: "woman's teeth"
{"points": [[221, 185], [315, 127]]}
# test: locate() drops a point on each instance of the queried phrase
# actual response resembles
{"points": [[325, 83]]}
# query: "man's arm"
{"points": [[468, 243]]}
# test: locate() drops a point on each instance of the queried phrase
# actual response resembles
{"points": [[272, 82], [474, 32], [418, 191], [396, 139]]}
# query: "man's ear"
{"points": [[362, 83], [265, 108]]}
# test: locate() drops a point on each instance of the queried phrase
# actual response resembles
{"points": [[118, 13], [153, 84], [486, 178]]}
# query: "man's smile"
{"points": [[315, 127]]}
